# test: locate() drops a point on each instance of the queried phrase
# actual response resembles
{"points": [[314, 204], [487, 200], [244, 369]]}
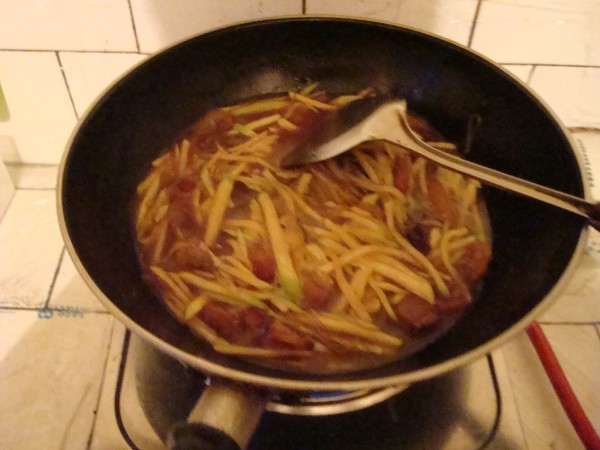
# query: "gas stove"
{"points": [[463, 409]]}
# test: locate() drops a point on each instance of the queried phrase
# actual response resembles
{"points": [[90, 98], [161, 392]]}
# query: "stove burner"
{"points": [[328, 403], [460, 410]]}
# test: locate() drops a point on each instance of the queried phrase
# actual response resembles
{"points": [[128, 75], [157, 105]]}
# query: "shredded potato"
{"points": [[333, 266]]}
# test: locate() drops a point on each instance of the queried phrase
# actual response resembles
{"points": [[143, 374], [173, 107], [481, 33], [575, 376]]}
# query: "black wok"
{"points": [[535, 246]]}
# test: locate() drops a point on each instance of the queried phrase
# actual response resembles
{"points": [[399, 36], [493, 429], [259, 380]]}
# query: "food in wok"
{"points": [[335, 266]]}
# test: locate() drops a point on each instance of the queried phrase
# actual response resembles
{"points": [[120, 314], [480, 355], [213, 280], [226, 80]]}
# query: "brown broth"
{"points": [[338, 266]]}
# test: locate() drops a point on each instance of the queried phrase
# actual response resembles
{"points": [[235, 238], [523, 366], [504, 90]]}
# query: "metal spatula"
{"points": [[374, 118]]}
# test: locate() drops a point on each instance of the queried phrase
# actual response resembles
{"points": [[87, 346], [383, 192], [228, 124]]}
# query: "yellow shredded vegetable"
{"points": [[306, 265]]}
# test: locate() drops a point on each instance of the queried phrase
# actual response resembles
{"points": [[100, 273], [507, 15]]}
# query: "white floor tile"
{"points": [[572, 92], [160, 24], [66, 25], [106, 435], [542, 417], [33, 176], [88, 74], [30, 247], [448, 18], [510, 434], [71, 292], [50, 375], [41, 114], [539, 31], [579, 301]]}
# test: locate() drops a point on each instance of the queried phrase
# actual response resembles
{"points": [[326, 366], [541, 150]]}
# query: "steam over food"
{"points": [[334, 266]]}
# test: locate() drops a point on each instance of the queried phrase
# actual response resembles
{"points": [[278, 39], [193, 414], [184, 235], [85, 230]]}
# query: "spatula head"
{"points": [[342, 130]]}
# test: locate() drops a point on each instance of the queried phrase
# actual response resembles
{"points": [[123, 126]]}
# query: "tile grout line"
{"points": [[498, 394], [134, 28], [583, 129], [474, 24], [73, 50], [119, 388], [102, 385], [55, 308], [543, 64], [531, 73], [64, 75], [34, 189], [54, 278], [21, 164]]}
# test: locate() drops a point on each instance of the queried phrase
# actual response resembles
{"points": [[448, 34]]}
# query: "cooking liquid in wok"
{"points": [[336, 266]]}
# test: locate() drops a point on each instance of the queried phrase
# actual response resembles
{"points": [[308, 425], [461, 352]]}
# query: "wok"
{"points": [[535, 246]]}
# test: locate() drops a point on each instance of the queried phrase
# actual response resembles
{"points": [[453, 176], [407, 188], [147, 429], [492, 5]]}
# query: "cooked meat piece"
{"points": [[283, 337], [416, 313], [263, 262], [220, 319]]}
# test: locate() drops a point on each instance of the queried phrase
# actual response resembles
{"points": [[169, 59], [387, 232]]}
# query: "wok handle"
{"points": [[224, 418], [197, 436]]}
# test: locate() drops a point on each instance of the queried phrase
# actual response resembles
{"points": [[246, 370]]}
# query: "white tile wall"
{"points": [[33, 176], [66, 25], [88, 74], [452, 19], [539, 31], [160, 24], [41, 114], [572, 92]]}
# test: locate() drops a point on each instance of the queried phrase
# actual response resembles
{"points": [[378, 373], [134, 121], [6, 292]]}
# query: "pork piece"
{"points": [[263, 262], [216, 123], [475, 260], [402, 172], [441, 201], [418, 236], [416, 313], [186, 186], [254, 323], [305, 119], [181, 209], [456, 301], [189, 255], [222, 321], [317, 291], [471, 267], [281, 336]]}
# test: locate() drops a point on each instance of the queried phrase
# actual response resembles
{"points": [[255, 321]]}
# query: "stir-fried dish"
{"points": [[334, 266]]}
